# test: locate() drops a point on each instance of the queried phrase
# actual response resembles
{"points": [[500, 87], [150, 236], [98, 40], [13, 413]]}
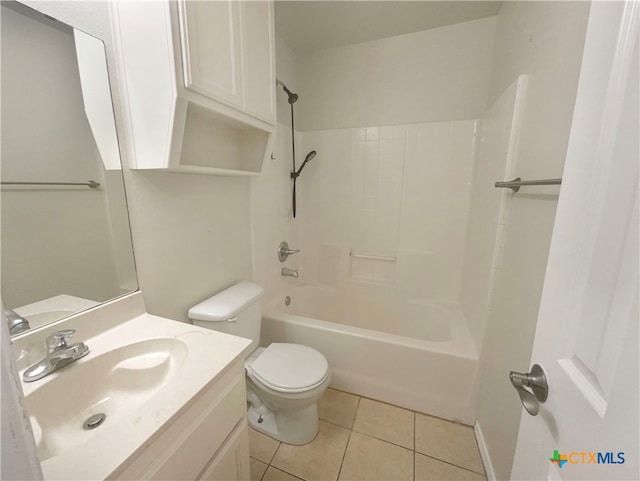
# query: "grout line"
{"points": [[280, 469], [459, 423], [452, 464], [381, 439], [275, 452], [355, 414], [335, 424], [265, 469], [344, 455], [414, 446]]}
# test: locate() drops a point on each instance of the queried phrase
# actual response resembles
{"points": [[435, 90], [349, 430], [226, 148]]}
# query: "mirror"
{"points": [[66, 241]]}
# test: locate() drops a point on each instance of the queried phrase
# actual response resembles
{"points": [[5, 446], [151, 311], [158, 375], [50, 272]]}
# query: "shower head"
{"points": [[309, 157], [292, 97]]}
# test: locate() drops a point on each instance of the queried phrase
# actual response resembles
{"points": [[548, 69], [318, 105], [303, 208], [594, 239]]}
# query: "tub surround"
{"points": [[436, 376], [139, 442]]}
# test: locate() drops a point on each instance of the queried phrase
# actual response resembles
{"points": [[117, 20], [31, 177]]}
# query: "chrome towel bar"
{"points": [[516, 183], [92, 184]]}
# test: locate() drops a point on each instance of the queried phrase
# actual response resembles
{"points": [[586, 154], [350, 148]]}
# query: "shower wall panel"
{"points": [[388, 204]]}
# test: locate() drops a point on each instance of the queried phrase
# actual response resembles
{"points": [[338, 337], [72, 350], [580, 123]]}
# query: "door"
{"points": [[587, 333], [211, 47], [258, 59]]}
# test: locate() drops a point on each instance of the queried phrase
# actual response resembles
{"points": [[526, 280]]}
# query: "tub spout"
{"points": [[289, 272]]}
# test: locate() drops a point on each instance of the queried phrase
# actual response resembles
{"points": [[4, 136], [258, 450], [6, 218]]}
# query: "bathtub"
{"points": [[414, 353]]}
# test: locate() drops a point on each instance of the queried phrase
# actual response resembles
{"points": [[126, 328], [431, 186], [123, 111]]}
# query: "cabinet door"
{"points": [[258, 59], [211, 45], [232, 463]]}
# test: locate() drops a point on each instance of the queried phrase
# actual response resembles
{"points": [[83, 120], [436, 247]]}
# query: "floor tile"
{"points": [[430, 469], [448, 441], [317, 461], [261, 446], [274, 474], [338, 407], [369, 459], [257, 469], [386, 422]]}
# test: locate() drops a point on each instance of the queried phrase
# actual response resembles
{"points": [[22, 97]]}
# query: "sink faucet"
{"points": [[17, 323], [59, 354], [289, 272]]}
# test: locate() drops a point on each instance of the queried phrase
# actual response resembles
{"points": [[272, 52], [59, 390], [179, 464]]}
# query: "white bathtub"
{"points": [[413, 353]]}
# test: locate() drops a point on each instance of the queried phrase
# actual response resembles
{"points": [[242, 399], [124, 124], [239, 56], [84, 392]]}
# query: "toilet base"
{"points": [[299, 426]]}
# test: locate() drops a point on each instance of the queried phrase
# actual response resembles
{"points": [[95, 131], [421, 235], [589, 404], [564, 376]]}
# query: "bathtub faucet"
{"points": [[289, 272], [284, 252]]}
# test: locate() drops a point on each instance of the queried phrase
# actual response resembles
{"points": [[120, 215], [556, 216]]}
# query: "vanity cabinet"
{"points": [[208, 441], [199, 83]]}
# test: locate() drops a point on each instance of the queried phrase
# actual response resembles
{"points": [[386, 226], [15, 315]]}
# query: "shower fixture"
{"points": [[292, 98], [309, 156]]}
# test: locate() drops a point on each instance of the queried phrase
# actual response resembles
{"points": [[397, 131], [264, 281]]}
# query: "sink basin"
{"points": [[142, 371], [114, 383]]}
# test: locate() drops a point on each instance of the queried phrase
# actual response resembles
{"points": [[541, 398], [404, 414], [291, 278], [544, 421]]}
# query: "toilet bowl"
{"points": [[284, 380]]}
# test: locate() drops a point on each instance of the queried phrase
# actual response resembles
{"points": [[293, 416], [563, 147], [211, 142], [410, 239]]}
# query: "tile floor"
{"points": [[362, 439]]}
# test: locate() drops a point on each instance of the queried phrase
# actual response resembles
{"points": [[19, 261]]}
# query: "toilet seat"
{"points": [[289, 368]]}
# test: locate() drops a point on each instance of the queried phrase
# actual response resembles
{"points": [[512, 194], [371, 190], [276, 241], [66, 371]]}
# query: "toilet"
{"points": [[284, 380]]}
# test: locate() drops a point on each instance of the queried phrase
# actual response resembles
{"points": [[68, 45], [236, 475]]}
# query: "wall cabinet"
{"points": [[199, 79]]}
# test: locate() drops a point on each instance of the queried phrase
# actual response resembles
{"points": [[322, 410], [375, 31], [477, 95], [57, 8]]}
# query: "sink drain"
{"points": [[94, 421]]}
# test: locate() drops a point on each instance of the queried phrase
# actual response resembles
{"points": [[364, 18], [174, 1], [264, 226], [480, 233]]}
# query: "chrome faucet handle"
{"points": [[58, 340], [284, 251]]}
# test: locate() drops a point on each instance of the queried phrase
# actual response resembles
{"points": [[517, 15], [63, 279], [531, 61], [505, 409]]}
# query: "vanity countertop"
{"points": [[142, 373]]}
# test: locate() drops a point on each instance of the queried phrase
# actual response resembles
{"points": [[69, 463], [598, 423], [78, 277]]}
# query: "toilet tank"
{"points": [[236, 310]]}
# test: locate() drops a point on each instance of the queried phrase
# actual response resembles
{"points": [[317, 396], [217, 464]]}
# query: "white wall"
{"points": [[434, 75], [285, 72], [272, 217], [271, 193], [54, 240], [497, 144], [543, 40]]}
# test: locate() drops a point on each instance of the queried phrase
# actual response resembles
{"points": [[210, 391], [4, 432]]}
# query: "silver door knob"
{"points": [[532, 388]]}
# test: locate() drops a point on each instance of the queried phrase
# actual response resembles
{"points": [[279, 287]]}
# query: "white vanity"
{"points": [[173, 395]]}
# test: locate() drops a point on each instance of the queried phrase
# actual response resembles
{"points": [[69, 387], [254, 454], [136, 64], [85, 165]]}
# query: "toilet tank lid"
{"points": [[228, 303]]}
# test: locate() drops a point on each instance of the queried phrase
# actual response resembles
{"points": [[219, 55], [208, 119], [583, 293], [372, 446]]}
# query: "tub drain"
{"points": [[94, 421]]}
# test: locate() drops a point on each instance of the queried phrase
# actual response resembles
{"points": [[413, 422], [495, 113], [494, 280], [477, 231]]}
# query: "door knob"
{"points": [[532, 388]]}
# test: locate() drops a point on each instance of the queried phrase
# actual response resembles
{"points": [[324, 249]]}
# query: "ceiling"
{"points": [[314, 25]]}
